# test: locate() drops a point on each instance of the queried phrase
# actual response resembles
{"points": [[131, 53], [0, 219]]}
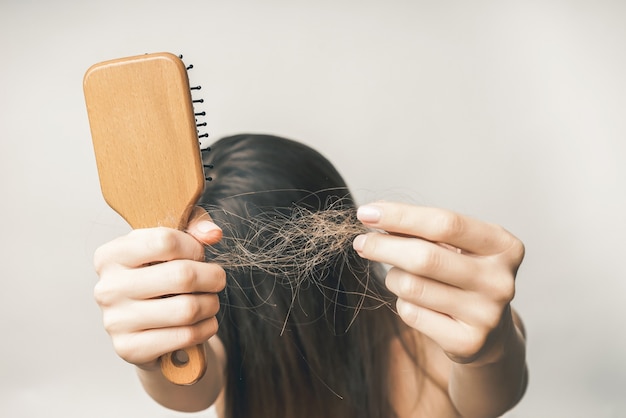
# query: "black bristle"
{"points": [[198, 124]]}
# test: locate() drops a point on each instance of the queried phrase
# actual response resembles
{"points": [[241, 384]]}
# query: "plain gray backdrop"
{"points": [[513, 112]]}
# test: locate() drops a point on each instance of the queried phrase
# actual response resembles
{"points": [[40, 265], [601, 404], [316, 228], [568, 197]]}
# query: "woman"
{"points": [[310, 326]]}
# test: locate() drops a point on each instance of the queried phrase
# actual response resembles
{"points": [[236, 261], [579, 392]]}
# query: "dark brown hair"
{"points": [[294, 342]]}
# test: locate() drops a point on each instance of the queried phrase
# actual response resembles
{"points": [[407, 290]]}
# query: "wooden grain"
{"points": [[147, 153]]}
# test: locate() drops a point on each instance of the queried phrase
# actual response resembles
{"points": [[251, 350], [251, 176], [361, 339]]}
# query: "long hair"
{"points": [[301, 340]]}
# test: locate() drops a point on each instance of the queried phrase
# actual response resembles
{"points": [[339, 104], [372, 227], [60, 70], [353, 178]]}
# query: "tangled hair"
{"points": [[299, 316], [298, 248]]}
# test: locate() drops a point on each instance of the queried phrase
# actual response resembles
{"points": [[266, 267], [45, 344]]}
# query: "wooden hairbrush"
{"points": [[148, 156]]}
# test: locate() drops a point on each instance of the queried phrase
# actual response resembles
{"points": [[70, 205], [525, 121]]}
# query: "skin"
{"points": [[143, 325], [454, 277]]}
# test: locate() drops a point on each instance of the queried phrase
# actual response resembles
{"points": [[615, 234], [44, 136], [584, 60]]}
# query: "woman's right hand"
{"points": [[156, 292]]}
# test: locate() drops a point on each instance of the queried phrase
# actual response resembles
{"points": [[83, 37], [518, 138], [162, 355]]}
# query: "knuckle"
{"points": [[211, 326], [216, 275], [518, 250], [392, 277], [475, 344], [426, 261], [215, 305], [99, 259], [109, 322], [410, 314], [412, 288], [190, 310], [125, 350], [163, 241], [504, 291], [199, 253], [471, 345], [210, 306], [412, 320], [500, 287], [102, 294], [513, 248], [198, 333], [492, 317], [185, 276], [448, 224], [220, 278], [185, 336], [104, 255], [402, 219]]}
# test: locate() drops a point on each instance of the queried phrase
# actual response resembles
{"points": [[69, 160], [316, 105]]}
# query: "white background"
{"points": [[514, 112]]}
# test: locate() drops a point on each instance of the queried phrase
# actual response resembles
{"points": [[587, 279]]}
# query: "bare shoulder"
{"points": [[420, 390], [219, 351], [220, 355]]}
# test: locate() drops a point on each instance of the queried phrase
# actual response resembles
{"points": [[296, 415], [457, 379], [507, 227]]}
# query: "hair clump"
{"points": [[298, 248]]}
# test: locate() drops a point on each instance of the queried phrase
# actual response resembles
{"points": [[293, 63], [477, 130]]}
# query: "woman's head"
{"points": [[294, 284], [261, 171], [288, 221]]}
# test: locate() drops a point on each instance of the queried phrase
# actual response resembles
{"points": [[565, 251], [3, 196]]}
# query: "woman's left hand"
{"points": [[454, 276]]}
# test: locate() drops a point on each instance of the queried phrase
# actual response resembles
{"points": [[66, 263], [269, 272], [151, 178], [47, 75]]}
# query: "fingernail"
{"points": [[359, 242], [206, 227], [370, 214]]}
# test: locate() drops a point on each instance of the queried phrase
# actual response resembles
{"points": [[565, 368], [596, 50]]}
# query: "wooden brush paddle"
{"points": [[145, 140]]}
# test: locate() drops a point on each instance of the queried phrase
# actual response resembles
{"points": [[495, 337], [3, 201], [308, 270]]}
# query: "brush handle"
{"points": [[145, 140], [185, 366]]}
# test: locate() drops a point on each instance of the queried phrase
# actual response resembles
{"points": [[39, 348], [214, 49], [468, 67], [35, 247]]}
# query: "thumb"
{"points": [[202, 228]]}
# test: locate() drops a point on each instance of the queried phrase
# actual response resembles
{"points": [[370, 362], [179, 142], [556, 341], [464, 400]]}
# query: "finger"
{"points": [[175, 277], [428, 293], [470, 308], [419, 257], [202, 228], [437, 225], [170, 278], [176, 311], [451, 335], [147, 246], [144, 347]]}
